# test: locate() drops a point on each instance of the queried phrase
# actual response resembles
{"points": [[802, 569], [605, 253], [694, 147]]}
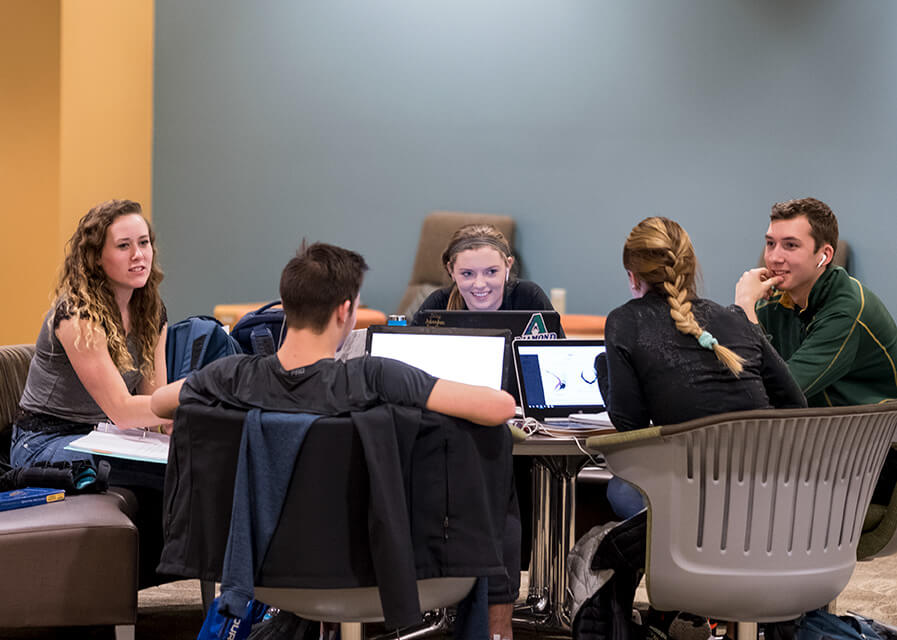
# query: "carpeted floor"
{"points": [[174, 611]]}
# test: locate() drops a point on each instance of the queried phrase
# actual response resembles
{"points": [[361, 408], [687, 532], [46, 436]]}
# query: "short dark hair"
{"points": [[318, 280], [823, 223]]}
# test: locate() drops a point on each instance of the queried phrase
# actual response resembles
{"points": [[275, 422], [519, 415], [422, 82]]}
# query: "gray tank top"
{"points": [[54, 388]]}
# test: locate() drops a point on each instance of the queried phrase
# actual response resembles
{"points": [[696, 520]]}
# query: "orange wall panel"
{"points": [[76, 96], [29, 163]]}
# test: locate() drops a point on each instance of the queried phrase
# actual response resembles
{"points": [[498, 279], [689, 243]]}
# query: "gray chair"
{"points": [[428, 273], [754, 516], [351, 608], [69, 563]]}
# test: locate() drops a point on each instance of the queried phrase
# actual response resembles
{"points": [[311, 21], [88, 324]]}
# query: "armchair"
{"points": [[428, 274], [70, 563]]}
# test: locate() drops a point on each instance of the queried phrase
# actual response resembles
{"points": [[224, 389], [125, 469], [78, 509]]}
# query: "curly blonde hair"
{"points": [[84, 291], [472, 236], [659, 252]]}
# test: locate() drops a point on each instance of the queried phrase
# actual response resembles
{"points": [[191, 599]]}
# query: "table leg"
{"points": [[554, 498]]}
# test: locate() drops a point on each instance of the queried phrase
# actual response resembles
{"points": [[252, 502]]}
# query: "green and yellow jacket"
{"points": [[842, 347]]}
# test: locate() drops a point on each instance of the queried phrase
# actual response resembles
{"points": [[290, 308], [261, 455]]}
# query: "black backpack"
{"points": [[261, 331]]}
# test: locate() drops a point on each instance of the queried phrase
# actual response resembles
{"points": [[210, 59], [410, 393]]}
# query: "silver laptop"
{"points": [[557, 381]]}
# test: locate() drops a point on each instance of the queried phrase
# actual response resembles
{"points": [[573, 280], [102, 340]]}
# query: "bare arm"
{"points": [[102, 380], [160, 368], [166, 399], [481, 405]]}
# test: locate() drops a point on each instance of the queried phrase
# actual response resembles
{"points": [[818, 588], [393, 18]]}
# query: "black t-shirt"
{"points": [[519, 295], [657, 373], [327, 387]]}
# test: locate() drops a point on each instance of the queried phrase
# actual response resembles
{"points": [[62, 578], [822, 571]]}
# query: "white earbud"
{"points": [[507, 275], [821, 261]]}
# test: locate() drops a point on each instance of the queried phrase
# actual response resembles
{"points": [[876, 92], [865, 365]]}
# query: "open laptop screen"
{"points": [[471, 356], [557, 377]]}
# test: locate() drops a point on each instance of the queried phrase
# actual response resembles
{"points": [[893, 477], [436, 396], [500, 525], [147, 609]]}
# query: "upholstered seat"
{"points": [[68, 563], [428, 273]]}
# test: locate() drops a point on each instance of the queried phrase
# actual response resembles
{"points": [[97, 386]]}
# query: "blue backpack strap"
{"points": [[262, 341]]}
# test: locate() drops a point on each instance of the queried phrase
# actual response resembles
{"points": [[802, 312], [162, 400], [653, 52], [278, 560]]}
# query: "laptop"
{"points": [[531, 324], [557, 381], [472, 356]]}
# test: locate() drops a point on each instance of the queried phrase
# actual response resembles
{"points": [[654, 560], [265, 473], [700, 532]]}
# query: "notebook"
{"points": [[557, 381], [534, 324], [472, 356], [28, 496]]}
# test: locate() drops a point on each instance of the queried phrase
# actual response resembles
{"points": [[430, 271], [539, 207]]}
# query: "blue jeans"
{"points": [[624, 498], [30, 447]]}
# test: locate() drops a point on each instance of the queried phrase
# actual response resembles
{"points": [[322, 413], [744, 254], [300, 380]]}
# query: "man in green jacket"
{"points": [[837, 337]]}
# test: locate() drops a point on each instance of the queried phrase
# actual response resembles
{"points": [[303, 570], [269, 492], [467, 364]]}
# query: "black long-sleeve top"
{"points": [[657, 374]]}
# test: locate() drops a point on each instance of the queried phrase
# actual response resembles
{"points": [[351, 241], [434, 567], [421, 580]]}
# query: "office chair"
{"points": [[320, 563], [754, 516]]}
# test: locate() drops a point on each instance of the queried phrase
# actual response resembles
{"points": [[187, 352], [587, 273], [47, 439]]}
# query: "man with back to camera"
{"points": [[837, 337], [320, 289]]}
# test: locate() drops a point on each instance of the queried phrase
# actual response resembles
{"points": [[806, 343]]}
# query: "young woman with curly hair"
{"points": [[673, 356], [100, 352]]}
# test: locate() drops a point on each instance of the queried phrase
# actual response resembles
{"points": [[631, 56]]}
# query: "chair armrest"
{"points": [[621, 439]]}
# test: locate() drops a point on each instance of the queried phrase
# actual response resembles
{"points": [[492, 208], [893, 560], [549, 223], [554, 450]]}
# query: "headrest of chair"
{"points": [[435, 232]]}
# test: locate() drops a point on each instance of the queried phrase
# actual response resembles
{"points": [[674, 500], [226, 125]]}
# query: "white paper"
{"points": [[131, 444]]}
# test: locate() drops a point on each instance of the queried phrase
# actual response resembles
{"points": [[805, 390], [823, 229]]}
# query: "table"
{"points": [[556, 464]]}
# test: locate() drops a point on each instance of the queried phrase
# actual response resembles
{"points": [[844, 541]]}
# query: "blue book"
{"points": [[29, 496]]}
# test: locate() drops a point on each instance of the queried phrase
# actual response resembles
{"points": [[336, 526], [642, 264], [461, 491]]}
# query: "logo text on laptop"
{"points": [[536, 330]]}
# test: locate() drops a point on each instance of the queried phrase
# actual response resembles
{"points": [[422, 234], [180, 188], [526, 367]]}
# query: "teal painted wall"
{"points": [[348, 121]]}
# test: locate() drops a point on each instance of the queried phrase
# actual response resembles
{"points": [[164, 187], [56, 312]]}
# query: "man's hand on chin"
{"points": [[754, 285]]}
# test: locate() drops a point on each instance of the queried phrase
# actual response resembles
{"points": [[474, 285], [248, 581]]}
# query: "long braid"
{"points": [[680, 307], [659, 252]]}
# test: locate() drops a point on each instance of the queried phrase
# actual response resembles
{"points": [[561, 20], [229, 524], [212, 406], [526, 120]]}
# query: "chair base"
{"points": [[360, 604]]}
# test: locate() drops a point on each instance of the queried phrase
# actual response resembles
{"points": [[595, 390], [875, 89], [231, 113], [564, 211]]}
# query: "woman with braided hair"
{"points": [[672, 356]]}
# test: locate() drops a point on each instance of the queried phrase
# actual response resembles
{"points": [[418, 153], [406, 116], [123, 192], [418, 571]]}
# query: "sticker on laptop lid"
{"points": [[536, 329]]}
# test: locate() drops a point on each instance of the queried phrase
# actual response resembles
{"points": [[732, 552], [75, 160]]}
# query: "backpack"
{"points": [[193, 343], [261, 331]]}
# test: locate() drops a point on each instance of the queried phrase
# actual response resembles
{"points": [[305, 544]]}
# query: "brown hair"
{"points": [[659, 252], [316, 281], [823, 223], [83, 290], [472, 236]]}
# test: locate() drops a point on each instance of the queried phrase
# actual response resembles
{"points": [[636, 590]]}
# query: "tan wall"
{"points": [[107, 105], [76, 128], [29, 163]]}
